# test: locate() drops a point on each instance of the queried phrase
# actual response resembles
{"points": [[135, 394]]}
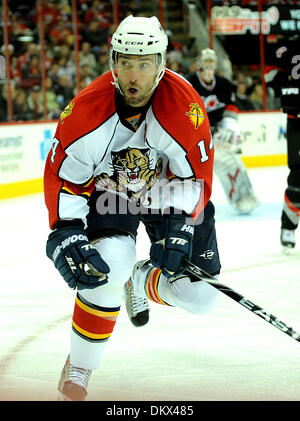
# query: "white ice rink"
{"points": [[229, 354]]}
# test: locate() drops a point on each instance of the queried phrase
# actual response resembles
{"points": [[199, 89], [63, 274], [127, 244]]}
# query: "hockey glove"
{"points": [[78, 261], [169, 254]]}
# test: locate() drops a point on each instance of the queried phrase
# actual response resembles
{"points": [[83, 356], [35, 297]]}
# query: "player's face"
{"points": [[136, 76], [208, 70]]}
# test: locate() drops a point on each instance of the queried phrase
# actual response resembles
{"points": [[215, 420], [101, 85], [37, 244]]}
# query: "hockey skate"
{"points": [[73, 383], [287, 239], [137, 306]]}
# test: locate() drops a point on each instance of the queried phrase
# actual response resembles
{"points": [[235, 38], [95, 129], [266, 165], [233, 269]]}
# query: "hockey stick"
{"points": [[259, 311]]}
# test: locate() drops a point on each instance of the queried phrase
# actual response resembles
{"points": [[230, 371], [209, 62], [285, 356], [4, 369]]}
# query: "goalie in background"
{"points": [[218, 94], [283, 76]]}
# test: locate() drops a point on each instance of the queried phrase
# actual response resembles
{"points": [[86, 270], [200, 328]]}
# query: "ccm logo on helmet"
{"points": [[134, 43]]}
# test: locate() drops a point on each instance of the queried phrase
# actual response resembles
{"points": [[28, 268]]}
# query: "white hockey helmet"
{"points": [[207, 55], [139, 36]]}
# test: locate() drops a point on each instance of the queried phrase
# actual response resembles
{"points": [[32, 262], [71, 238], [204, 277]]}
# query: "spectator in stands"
{"points": [[20, 106], [86, 57], [71, 65], [51, 13], [61, 34], [53, 74], [174, 61], [256, 96], [35, 103], [127, 8], [64, 91], [87, 75], [53, 106], [102, 65], [64, 51], [177, 67], [105, 46], [65, 69], [95, 12], [174, 56], [31, 73], [15, 71], [192, 66], [95, 35], [25, 58], [242, 101]]}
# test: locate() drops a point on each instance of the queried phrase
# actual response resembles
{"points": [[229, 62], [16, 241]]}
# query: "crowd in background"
{"points": [[95, 27]]}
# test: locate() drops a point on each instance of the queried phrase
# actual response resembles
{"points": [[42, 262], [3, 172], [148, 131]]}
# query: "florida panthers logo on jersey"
{"points": [[133, 172]]}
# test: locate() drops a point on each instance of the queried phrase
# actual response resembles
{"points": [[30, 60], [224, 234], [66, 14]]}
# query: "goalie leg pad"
{"points": [[235, 181]]}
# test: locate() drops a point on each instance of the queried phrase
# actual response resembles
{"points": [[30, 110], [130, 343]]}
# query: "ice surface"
{"points": [[229, 354]]}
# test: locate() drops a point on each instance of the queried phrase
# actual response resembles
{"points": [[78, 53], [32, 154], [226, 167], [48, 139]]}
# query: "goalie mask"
{"points": [[207, 63], [139, 36]]}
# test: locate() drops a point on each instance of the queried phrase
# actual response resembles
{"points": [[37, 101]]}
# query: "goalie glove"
{"points": [[169, 254], [78, 261], [227, 132], [226, 136]]}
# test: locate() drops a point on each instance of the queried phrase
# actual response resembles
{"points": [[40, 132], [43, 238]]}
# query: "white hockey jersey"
{"points": [[95, 148]]}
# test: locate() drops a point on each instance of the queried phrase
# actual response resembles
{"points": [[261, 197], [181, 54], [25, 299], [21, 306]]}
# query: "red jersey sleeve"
{"points": [[181, 112], [68, 175]]}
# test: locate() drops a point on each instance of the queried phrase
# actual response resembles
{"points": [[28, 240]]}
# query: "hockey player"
{"points": [[283, 75], [132, 146], [218, 94]]}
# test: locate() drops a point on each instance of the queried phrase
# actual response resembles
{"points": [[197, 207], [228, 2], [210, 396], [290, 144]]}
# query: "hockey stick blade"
{"points": [[254, 308]]}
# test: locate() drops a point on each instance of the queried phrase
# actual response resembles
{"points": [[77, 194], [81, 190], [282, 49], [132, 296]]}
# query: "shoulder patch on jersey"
{"points": [[196, 115], [173, 99], [66, 112], [87, 111]]}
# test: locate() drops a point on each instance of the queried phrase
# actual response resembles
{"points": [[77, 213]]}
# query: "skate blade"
{"points": [[287, 251]]}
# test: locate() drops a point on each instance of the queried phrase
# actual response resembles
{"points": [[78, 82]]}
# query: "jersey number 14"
{"points": [[203, 153]]}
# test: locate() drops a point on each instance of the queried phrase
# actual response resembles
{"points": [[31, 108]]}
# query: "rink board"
{"points": [[24, 148]]}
